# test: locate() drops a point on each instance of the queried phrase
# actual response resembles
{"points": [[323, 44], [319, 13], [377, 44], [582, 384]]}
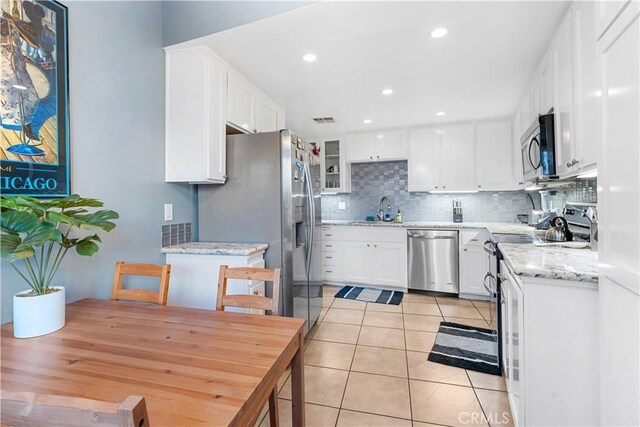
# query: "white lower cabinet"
{"points": [[357, 256], [474, 266], [389, 264], [550, 350], [194, 279], [365, 255], [474, 263]]}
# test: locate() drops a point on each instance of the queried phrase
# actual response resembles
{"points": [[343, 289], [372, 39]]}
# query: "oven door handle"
{"points": [[484, 283], [489, 249]]}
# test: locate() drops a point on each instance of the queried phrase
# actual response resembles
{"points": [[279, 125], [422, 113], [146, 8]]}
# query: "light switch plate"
{"points": [[168, 212], [342, 205]]}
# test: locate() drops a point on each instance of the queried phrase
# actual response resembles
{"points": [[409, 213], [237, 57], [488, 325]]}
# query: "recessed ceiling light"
{"points": [[439, 32], [366, 121], [309, 57], [387, 91], [440, 113]]}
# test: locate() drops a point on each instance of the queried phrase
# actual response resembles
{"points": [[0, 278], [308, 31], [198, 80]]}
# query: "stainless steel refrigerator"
{"points": [[272, 195]]}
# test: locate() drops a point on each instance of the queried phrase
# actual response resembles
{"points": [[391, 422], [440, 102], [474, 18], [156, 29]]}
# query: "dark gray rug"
{"points": [[361, 293], [466, 347]]}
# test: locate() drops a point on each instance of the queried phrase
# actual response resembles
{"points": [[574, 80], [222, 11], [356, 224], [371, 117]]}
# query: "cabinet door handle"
{"points": [[375, 246], [368, 245], [377, 157], [444, 186], [479, 186], [465, 249]]}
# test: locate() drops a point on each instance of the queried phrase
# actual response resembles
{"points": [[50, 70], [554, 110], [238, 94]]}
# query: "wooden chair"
{"points": [[252, 301], [143, 295], [32, 409]]}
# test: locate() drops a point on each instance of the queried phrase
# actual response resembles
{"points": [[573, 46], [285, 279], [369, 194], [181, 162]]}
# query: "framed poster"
{"points": [[34, 100]]}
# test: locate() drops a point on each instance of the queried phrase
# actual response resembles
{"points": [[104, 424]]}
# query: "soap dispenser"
{"points": [[399, 217]]}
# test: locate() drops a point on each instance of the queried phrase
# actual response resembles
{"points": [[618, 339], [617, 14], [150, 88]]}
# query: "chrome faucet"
{"points": [[380, 210]]}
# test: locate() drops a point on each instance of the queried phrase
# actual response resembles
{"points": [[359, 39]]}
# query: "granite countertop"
{"points": [[493, 227], [526, 260], [551, 262], [213, 248]]}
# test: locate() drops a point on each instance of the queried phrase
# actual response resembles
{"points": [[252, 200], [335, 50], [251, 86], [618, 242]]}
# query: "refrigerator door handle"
{"points": [[311, 217]]}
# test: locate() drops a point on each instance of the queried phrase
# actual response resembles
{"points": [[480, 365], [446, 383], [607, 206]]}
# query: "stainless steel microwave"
{"points": [[538, 149]]}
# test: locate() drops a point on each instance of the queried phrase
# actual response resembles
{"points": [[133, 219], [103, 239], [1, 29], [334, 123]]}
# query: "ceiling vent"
{"points": [[324, 120]]}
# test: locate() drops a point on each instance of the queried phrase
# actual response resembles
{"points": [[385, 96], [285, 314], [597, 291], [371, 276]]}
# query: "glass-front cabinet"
{"points": [[336, 173]]}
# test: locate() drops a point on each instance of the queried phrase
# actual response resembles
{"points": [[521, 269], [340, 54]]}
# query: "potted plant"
{"points": [[36, 235]]}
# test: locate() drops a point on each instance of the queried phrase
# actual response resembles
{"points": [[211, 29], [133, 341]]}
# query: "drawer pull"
{"points": [[329, 235], [329, 257], [328, 271], [329, 246]]}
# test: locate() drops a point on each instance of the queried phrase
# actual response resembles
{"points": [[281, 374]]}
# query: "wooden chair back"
{"points": [[143, 295], [32, 409], [249, 301]]}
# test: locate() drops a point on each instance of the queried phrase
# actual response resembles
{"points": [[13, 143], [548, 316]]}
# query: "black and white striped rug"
{"points": [[466, 347], [370, 295]]}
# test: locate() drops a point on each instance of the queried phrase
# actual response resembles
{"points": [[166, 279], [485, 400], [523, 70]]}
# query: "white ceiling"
{"points": [[478, 70]]}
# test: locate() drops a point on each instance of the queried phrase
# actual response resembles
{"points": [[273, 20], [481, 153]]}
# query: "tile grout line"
{"points": [[477, 398], [346, 384], [406, 355]]}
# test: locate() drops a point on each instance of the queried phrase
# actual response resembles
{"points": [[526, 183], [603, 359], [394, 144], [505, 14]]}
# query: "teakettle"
{"points": [[559, 231]]}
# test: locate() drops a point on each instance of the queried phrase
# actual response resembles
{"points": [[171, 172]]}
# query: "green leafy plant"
{"points": [[32, 229]]}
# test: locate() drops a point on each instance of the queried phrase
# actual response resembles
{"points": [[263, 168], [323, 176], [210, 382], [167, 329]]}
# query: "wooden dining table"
{"points": [[193, 367]]}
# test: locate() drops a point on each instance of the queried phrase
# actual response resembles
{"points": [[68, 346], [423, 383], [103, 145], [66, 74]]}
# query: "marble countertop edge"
{"points": [[216, 248]]}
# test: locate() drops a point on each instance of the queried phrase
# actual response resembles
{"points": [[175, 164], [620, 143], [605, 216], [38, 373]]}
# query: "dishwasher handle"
{"points": [[432, 234]]}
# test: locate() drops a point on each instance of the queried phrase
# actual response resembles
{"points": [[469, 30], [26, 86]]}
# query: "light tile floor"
{"points": [[366, 365]]}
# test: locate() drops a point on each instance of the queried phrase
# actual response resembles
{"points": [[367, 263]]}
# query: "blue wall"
{"points": [[186, 20], [116, 89]]}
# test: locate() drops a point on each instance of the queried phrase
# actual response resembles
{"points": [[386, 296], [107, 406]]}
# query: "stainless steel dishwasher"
{"points": [[433, 260]]}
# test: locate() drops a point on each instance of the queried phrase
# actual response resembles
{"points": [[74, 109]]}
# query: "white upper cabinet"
{"points": [[535, 95], [494, 152], [568, 81], [249, 110], [266, 115], [424, 160], [390, 145], [196, 95], [335, 171], [464, 157], [588, 85], [378, 146], [457, 157], [547, 83], [203, 96], [566, 156], [607, 11], [360, 147], [241, 103], [619, 227]]}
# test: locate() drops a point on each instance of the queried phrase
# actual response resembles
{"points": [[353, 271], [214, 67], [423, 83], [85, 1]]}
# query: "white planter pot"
{"points": [[38, 315]]}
